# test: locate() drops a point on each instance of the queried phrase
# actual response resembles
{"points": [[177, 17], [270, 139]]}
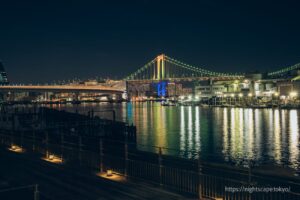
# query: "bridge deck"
{"points": [[61, 88]]}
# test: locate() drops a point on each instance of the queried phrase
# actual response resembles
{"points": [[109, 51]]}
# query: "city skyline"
{"points": [[41, 42]]}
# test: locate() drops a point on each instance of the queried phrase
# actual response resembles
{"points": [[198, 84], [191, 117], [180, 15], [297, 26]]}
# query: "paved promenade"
{"points": [[58, 182]]}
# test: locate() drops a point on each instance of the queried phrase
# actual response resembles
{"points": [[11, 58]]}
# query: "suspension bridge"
{"points": [[161, 68], [164, 67]]}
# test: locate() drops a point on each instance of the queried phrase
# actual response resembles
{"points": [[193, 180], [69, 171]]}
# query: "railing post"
{"points": [[62, 144], [114, 115], [36, 193], [160, 165], [80, 149], [250, 175], [12, 130], [33, 142], [126, 157], [47, 144], [101, 154], [199, 178], [22, 138], [92, 113]]}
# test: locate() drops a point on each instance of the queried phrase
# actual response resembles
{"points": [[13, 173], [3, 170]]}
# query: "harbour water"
{"points": [[234, 135]]}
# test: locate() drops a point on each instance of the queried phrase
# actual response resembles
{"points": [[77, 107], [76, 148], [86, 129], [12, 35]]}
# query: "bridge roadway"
{"points": [[204, 78], [61, 88]]}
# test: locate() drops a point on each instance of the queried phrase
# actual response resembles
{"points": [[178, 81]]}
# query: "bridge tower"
{"points": [[160, 70]]}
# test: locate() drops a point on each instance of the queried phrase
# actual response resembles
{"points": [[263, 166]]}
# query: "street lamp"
{"points": [[250, 95]]}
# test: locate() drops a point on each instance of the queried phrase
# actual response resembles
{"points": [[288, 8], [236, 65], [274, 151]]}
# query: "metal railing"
{"points": [[190, 176], [9, 193]]}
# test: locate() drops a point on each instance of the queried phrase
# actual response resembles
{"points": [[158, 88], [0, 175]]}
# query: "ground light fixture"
{"points": [[53, 159], [109, 173], [16, 148]]}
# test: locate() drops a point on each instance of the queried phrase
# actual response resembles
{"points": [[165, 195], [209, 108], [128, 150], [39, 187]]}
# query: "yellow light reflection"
{"points": [[250, 133], [294, 138], [232, 133], [182, 129], [225, 133], [190, 131], [197, 130], [241, 131], [160, 125], [277, 139], [235, 139], [257, 131]]}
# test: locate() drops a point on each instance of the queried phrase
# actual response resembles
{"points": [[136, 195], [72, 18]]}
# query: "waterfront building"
{"points": [[3, 76]]}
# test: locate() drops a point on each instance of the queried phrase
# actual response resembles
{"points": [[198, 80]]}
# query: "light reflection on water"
{"points": [[231, 134]]}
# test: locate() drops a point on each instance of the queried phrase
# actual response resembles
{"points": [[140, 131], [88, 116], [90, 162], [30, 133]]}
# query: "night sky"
{"points": [[41, 41]]}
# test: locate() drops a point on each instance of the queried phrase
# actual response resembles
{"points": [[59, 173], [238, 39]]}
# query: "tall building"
{"points": [[3, 76]]}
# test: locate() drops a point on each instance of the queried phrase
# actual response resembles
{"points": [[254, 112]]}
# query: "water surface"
{"points": [[225, 134]]}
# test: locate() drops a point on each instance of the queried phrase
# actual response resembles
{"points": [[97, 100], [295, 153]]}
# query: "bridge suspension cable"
{"points": [[284, 70], [137, 74], [202, 71]]}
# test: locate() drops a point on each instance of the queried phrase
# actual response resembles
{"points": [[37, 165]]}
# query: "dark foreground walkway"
{"points": [[57, 182]]}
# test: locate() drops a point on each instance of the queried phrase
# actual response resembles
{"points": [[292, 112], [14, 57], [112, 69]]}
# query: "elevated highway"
{"points": [[62, 88]]}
